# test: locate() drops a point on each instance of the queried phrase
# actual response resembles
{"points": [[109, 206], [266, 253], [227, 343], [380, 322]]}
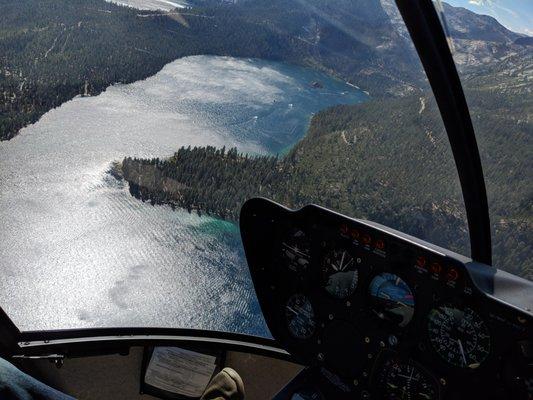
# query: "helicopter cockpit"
{"points": [[379, 314], [365, 312], [311, 302]]}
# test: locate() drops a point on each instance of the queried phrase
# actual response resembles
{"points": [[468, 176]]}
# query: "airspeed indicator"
{"points": [[460, 337]]}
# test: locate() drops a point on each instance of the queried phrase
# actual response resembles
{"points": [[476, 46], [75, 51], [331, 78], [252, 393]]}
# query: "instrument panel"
{"points": [[380, 314]]}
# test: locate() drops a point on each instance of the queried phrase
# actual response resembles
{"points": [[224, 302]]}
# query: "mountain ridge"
{"points": [[50, 51]]}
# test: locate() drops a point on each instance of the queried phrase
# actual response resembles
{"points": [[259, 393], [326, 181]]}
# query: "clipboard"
{"points": [[178, 373]]}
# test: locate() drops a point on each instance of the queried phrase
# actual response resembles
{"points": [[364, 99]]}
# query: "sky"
{"points": [[516, 15]]}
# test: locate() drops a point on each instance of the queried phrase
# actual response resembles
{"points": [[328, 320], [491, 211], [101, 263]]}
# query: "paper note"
{"points": [[180, 371]]}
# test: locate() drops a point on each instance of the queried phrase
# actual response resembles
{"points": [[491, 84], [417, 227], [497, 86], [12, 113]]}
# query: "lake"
{"points": [[78, 251], [164, 5]]}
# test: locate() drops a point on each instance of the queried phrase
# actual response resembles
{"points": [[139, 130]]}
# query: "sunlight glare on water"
{"points": [[79, 251], [164, 5]]}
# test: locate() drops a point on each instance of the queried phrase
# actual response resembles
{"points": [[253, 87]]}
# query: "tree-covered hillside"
{"points": [[53, 50], [388, 161], [207, 180]]}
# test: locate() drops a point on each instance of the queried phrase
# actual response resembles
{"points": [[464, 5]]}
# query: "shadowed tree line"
{"points": [[382, 160]]}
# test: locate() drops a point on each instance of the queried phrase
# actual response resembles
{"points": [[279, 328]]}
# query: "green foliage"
{"points": [[54, 50], [388, 161], [383, 160], [204, 179]]}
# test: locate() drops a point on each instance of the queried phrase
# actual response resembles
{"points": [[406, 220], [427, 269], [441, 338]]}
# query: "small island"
{"points": [[342, 164], [205, 180]]}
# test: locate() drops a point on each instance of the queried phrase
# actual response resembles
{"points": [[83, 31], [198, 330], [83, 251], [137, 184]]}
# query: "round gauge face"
{"points": [[393, 299], [406, 380], [296, 250], [300, 317], [460, 337], [339, 273], [307, 394]]}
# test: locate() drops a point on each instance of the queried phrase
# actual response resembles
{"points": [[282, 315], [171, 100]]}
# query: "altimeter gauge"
{"points": [[339, 273]]}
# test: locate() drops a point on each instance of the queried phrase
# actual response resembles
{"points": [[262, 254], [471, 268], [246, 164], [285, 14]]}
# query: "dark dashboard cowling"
{"points": [[376, 313]]}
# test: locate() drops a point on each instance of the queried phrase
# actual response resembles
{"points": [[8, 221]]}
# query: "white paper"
{"points": [[180, 371]]}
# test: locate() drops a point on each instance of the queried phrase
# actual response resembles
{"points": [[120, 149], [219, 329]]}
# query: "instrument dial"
{"points": [[296, 250], [393, 299], [339, 273], [300, 317], [307, 394], [405, 380], [460, 337]]}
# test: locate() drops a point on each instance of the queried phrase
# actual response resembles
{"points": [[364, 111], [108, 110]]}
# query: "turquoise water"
{"points": [[78, 251], [275, 124]]}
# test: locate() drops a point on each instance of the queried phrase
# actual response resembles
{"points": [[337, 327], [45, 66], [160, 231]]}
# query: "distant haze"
{"points": [[516, 15]]}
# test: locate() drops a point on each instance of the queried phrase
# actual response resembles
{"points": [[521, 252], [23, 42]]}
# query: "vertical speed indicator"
{"points": [[300, 317]]}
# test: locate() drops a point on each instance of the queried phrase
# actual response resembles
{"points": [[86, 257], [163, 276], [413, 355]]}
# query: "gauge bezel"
{"points": [[289, 265], [438, 356], [357, 260], [313, 317], [374, 301], [376, 385]]}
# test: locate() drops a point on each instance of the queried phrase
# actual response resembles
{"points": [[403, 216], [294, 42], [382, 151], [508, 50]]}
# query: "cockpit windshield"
{"points": [[492, 48], [133, 131]]}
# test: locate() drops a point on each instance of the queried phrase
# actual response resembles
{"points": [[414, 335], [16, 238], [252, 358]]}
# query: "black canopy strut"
{"points": [[424, 26]]}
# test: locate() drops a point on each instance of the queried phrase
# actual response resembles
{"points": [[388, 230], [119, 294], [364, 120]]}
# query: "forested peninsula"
{"points": [[387, 161]]}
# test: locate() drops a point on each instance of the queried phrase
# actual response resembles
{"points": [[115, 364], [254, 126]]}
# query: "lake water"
{"points": [[78, 251], [165, 5]]}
